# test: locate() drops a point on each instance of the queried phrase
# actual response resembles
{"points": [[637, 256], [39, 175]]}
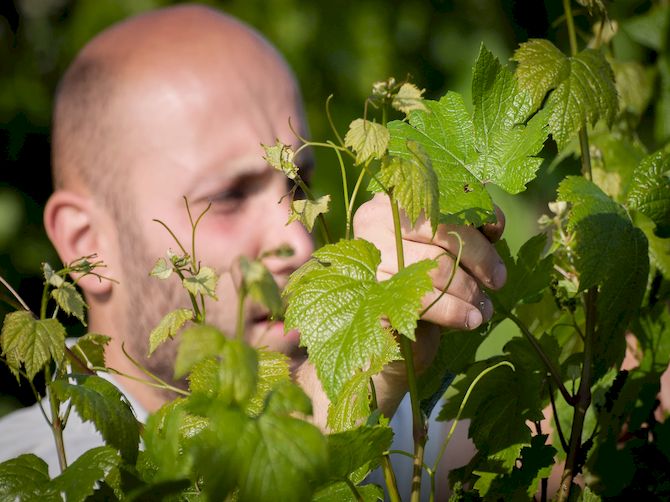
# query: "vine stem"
{"points": [[419, 431], [56, 424], [14, 293], [573, 461]]}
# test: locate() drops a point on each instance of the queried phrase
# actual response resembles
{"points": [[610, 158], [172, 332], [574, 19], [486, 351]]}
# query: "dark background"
{"points": [[336, 47]]}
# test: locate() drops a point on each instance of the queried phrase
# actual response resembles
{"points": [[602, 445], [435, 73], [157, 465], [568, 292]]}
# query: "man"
{"points": [[176, 103]]}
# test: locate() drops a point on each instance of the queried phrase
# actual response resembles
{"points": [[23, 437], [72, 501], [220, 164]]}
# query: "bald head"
{"points": [[164, 58]]}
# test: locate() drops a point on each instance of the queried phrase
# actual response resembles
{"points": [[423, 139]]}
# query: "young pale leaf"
{"points": [[368, 139], [197, 343], [280, 156], [413, 183], [306, 211], [79, 480], [98, 401], [90, 349], [26, 478], [68, 298], [162, 269], [649, 191], [337, 304], [542, 67], [527, 276], [497, 145], [261, 286], [168, 327], [51, 276], [409, 97], [355, 448], [204, 282], [31, 342]]}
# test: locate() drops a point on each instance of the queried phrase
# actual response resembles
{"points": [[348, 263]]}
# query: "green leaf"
{"points": [[168, 327], [586, 198], [197, 343], [634, 84], [273, 368], [203, 283], [261, 285], [408, 98], [98, 401], [341, 492], [495, 146], [80, 478], [261, 457], [162, 269], [68, 298], [337, 304], [586, 96], [287, 398], [659, 249], [542, 67], [26, 478], [413, 183], [31, 342], [90, 349], [306, 211], [527, 276], [649, 191], [238, 372], [355, 448], [649, 29], [280, 156], [368, 139], [613, 254]]}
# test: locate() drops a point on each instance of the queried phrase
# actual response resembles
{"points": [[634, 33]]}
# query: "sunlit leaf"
{"points": [[168, 327], [337, 304], [409, 97], [31, 342], [368, 139], [162, 269], [197, 343], [280, 156]]}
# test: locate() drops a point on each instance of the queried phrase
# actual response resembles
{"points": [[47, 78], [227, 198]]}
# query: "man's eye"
{"points": [[228, 200]]}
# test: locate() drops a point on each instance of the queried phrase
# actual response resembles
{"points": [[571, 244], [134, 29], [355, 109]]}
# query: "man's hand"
{"points": [[464, 306]]}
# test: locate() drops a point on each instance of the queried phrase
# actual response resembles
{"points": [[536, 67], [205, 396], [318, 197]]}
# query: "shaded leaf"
{"points": [[341, 492], [586, 198], [203, 283], [197, 343], [90, 349], [98, 401], [168, 327], [31, 342], [26, 478], [79, 480], [368, 139], [337, 304], [355, 448], [261, 286], [306, 211]]}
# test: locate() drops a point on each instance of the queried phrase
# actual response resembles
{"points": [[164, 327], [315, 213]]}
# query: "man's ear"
{"points": [[70, 220]]}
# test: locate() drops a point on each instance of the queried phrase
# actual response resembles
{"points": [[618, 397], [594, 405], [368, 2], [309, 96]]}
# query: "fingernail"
{"points": [[499, 275], [474, 319]]}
